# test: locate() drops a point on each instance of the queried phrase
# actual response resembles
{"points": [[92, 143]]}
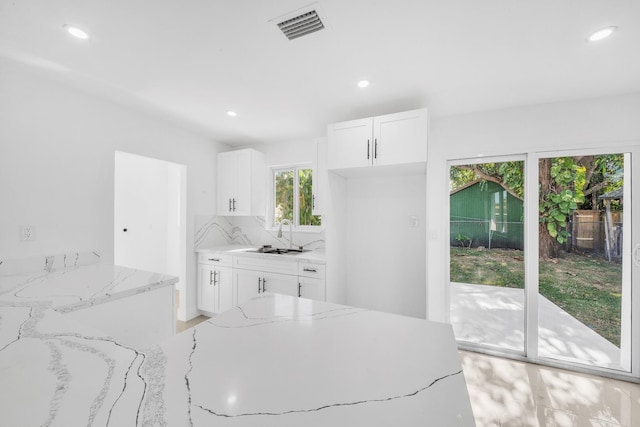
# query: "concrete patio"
{"points": [[494, 316]]}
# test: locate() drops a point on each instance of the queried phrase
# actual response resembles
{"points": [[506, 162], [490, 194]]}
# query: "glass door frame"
{"points": [[474, 346], [630, 319]]}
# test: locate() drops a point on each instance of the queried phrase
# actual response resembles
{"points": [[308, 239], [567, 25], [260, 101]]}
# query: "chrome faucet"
{"points": [[290, 231]]}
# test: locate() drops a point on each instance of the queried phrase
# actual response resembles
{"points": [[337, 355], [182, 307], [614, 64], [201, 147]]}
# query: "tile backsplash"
{"points": [[211, 230]]}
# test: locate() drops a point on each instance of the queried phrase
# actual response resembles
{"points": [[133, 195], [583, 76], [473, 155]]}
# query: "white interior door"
{"points": [[150, 217]]}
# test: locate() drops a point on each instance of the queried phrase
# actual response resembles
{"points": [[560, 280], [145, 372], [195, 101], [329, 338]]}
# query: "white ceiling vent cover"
{"points": [[301, 25]]}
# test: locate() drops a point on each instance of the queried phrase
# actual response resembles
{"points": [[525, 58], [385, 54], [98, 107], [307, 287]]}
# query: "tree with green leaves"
{"points": [[566, 184]]}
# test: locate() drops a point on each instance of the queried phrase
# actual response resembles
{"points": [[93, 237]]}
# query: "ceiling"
{"points": [[192, 61]]}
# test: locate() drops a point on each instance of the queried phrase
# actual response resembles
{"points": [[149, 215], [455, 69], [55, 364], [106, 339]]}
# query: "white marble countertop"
{"points": [[72, 288], [274, 361], [241, 250]]}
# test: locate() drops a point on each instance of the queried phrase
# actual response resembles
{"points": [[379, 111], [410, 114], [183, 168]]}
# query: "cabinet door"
{"points": [[312, 288], [224, 288], [243, 171], [400, 138], [206, 289], [350, 144], [281, 284], [226, 182], [248, 284]]}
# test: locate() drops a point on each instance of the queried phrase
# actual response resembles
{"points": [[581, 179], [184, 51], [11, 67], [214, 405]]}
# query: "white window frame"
{"points": [[270, 217]]}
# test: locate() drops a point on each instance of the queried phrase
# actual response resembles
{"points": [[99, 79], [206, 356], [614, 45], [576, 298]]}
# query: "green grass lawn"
{"points": [[586, 287]]}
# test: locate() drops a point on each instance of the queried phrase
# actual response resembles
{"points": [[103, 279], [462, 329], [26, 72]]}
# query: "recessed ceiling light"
{"points": [[602, 33], [363, 83], [76, 32], [231, 113]]}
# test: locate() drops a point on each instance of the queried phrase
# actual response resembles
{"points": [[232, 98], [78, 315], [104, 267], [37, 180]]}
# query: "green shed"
{"points": [[485, 213]]}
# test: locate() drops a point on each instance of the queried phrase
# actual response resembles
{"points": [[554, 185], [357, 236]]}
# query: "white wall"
{"points": [[336, 234], [385, 256], [590, 123], [57, 167]]}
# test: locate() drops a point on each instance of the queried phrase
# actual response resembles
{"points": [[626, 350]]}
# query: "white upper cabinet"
{"points": [[400, 138], [241, 183], [349, 144], [389, 140]]}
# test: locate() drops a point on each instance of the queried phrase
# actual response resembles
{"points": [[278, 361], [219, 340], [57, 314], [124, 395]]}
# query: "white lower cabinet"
{"points": [[215, 288], [251, 283], [311, 281], [225, 281], [215, 282], [311, 288], [248, 284]]}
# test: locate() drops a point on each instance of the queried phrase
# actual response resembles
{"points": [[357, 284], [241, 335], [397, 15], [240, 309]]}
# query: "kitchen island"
{"points": [[273, 361], [134, 306]]}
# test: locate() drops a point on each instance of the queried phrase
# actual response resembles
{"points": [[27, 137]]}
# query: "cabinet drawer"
{"points": [[214, 258], [266, 263], [307, 269]]}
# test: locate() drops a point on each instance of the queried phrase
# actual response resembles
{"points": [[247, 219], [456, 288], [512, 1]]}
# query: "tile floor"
{"points": [[506, 392], [511, 393]]}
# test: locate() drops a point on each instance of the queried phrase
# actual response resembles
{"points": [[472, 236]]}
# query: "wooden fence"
{"points": [[588, 232]]}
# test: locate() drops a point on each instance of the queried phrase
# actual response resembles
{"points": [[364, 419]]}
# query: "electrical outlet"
{"points": [[413, 221], [27, 233]]}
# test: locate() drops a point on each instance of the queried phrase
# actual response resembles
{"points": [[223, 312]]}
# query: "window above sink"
{"points": [[291, 197]]}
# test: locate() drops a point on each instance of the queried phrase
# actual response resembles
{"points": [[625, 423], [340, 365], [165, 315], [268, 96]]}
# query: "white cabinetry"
{"points": [[215, 283], [389, 140], [248, 284], [254, 275], [251, 283], [241, 183], [311, 281]]}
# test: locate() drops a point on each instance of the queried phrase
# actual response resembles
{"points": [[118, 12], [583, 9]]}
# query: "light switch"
{"points": [[413, 221]]}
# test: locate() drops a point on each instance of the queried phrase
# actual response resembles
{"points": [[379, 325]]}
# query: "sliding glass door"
{"points": [[487, 251], [584, 282], [541, 261]]}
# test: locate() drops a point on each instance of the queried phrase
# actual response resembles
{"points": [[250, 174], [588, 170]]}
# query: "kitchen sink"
{"points": [[267, 249]]}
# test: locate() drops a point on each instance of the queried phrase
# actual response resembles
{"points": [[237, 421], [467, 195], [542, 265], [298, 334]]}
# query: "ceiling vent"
{"points": [[301, 25]]}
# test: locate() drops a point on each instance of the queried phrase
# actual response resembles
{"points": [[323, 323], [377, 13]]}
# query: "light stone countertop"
{"points": [[317, 257], [57, 372], [273, 361], [76, 287]]}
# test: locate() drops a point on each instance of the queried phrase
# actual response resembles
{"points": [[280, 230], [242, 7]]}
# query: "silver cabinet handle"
{"points": [[210, 277], [264, 285], [229, 205], [368, 149], [299, 290], [375, 149], [311, 270], [234, 205], [214, 259], [215, 277], [259, 284]]}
